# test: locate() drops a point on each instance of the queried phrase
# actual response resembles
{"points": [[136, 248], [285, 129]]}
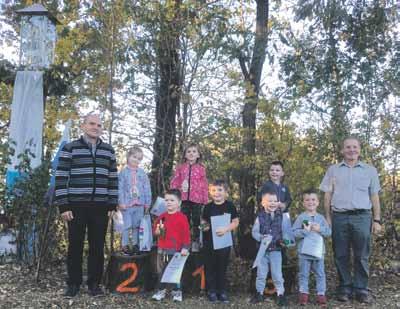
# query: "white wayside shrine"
{"points": [[38, 38], [37, 43]]}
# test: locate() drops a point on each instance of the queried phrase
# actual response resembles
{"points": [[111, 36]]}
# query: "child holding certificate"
{"points": [[269, 224], [310, 227], [217, 260], [172, 229]]}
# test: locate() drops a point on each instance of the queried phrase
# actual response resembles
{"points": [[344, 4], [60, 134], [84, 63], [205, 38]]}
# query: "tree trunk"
{"points": [[168, 97], [339, 123], [252, 77]]}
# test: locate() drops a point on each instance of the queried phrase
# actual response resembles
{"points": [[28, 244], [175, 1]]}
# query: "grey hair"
{"points": [[92, 113], [351, 137]]}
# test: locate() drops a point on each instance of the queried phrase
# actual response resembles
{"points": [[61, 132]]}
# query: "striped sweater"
{"points": [[86, 179]]}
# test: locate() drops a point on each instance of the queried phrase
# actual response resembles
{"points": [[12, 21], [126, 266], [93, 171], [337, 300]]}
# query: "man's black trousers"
{"points": [[94, 220]]}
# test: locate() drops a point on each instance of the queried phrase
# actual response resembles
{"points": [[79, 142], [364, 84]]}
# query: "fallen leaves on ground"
{"points": [[18, 289]]}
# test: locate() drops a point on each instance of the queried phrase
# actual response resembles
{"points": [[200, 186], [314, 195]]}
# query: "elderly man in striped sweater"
{"points": [[86, 192]]}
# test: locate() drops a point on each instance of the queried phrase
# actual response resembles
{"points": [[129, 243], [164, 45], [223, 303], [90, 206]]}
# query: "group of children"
{"points": [[189, 214]]}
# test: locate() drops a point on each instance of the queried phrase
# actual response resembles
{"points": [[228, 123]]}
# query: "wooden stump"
{"points": [[128, 274], [193, 276]]}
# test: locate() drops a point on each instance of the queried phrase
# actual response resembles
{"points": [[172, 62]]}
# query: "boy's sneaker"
{"points": [[282, 301], [303, 299], [160, 295], [222, 297], [321, 300], [257, 298], [177, 295], [212, 297]]}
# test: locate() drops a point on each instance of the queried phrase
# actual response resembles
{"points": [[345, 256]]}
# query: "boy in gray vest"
{"points": [[269, 224]]}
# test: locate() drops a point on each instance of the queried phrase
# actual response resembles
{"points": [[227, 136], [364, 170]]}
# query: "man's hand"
{"points": [[282, 206], [329, 220], [67, 215], [376, 228], [184, 252], [121, 207]]}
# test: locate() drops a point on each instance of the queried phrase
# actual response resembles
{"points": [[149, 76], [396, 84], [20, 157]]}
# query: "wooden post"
{"points": [[127, 274]]}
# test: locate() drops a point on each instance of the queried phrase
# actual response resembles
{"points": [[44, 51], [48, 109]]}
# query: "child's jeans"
{"points": [[132, 217], [315, 265], [273, 260]]}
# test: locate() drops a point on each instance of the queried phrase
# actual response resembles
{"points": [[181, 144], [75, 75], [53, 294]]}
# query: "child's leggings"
{"points": [[132, 217], [193, 214]]}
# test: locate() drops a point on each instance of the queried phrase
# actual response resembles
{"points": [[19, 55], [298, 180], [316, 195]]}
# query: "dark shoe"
{"points": [[363, 298], [322, 301], [343, 297], [303, 299], [222, 297], [257, 298], [95, 290], [71, 291], [212, 297], [126, 251], [135, 250], [282, 301]]}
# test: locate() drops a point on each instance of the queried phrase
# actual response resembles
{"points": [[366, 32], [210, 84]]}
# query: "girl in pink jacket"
{"points": [[190, 178]]}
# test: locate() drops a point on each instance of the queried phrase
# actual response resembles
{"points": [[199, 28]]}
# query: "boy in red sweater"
{"points": [[172, 229]]}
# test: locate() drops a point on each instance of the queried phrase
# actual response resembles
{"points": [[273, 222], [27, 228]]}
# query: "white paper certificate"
{"points": [[265, 241], [159, 207], [174, 269], [313, 244], [224, 240]]}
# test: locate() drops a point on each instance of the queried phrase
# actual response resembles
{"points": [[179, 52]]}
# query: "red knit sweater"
{"points": [[177, 232]]}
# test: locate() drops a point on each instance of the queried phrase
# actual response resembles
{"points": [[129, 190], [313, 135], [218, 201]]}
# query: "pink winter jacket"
{"points": [[198, 185]]}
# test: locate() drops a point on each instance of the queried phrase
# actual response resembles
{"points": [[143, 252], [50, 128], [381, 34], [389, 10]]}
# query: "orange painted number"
{"points": [[200, 272], [122, 287]]}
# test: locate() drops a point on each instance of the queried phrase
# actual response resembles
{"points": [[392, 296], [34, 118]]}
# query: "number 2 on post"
{"points": [[122, 287]]}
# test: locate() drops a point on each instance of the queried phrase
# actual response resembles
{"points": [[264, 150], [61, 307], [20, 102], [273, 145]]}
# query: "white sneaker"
{"points": [[159, 295], [177, 295]]}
